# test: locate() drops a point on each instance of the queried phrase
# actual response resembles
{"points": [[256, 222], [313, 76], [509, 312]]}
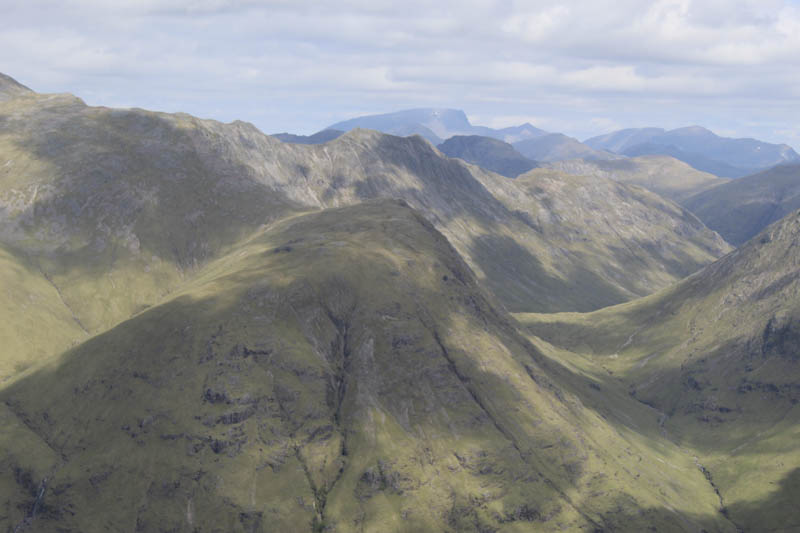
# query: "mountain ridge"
{"points": [[717, 356], [700, 147], [665, 175], [320, 137]]}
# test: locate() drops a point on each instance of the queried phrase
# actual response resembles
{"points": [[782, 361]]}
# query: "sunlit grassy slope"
{"points": [[719, 355], [662, 174], [35, 321], [342, 371]]}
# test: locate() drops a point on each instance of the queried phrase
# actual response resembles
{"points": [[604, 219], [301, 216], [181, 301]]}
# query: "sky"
{"points": [[578, 67]]}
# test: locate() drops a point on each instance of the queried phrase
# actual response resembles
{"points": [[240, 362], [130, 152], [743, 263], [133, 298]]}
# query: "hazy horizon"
{"points": [[582, 70]]}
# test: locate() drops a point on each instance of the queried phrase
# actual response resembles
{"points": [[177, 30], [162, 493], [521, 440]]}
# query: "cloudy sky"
{"points": [[579, 67]]}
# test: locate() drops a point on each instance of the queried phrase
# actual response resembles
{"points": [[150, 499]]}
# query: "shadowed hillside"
{"points": [[742, 208], [338, 371], [488, 153], [718, 355]]}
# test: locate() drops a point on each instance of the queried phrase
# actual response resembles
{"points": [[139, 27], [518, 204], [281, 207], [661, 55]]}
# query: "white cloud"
{"points": [[537, 25], [295, 63]]}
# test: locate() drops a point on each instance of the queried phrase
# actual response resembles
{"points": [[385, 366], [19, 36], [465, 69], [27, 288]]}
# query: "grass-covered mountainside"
{"points": [[103, 212], [665, 175], [488, 153], [337, 371], [36, 322], [718, 355], [598, 232], [742, 208], [205, 328], [699, 147]]}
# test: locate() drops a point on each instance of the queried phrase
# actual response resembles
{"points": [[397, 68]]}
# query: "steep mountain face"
{"points": [[594, 231], [700, 148], [719, 356], [665, 175], [436, 125], [488, 153], [337, 371], [115, 208], [742, 208], [557, 146], [321, 137]]}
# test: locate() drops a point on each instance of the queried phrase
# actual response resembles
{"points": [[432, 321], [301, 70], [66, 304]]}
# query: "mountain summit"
{"points": [[11, 88], [436, 125], [699, 147]]}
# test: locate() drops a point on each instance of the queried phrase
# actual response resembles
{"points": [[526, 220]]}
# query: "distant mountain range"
{"points": [[694, 145], [699, 147], [436, 125], [678, 164], [557, 147]]}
